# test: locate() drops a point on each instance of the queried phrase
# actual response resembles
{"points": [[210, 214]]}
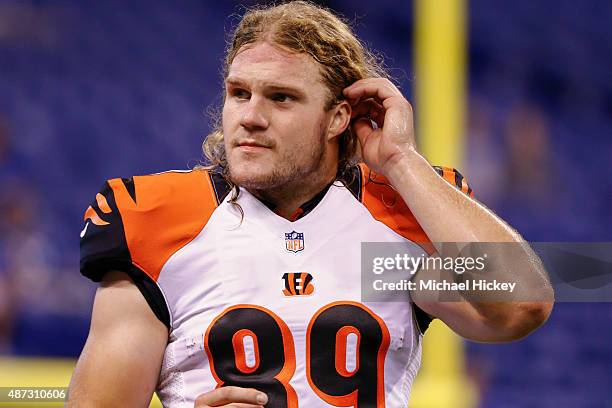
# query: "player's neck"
{"points": [[287, 199]]}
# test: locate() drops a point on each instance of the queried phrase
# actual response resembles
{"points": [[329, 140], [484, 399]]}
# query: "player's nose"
{"points": [[253, 115]]}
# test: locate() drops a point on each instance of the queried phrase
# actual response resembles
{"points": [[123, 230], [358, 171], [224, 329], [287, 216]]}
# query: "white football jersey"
{"points": [[255, 300]]}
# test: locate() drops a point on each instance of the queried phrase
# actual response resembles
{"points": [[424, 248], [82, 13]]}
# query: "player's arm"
{"points": [[481, 315], [446, 215], [121, 360]]}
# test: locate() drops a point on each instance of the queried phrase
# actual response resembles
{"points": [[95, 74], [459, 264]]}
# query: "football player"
{"points": [[239, 284]]}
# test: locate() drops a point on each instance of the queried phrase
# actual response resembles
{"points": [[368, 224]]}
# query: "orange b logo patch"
{"points": [[298, 284]]}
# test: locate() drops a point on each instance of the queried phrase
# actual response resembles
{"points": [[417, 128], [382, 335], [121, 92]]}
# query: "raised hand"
{"points": [[383, 122]]}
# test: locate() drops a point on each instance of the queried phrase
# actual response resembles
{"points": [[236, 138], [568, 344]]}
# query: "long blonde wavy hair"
{"points": [[302, 27]]}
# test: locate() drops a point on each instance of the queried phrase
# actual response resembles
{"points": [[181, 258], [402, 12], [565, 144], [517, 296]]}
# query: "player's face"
{"points": [[274, 121]]}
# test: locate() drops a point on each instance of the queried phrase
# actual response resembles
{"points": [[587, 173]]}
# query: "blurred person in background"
{"points": [[511, 161], [486, 159], [28, 263], [531, 177], [529, 171], [6, 292], [14, 219]]}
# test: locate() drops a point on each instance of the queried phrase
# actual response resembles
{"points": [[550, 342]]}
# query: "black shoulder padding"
{"points": [[220, 185]]}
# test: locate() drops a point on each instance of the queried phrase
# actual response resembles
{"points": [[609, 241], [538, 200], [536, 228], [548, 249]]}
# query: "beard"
{"points": [[291, 169]]}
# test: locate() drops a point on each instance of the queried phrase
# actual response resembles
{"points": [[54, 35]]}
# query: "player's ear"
{"points": [[341, 117]]}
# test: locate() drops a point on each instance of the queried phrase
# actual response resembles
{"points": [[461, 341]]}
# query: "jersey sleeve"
{"points": [[134, 225], [387, 206], [103, 242]]}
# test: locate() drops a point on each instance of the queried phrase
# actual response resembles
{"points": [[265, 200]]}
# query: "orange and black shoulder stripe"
{"points": [[454, 178], [136, 224], [141, 221], [385, 204]]}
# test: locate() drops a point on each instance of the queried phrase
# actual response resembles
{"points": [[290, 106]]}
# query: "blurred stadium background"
{"points": [[91, 90]]}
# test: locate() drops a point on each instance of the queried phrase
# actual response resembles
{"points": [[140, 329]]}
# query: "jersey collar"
{"points": [[303, 209]]}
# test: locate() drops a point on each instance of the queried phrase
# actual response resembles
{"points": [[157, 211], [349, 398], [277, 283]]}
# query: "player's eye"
{"points": [[239, 93], [281, 97]]}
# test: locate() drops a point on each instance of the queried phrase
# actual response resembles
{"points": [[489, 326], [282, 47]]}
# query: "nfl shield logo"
{"points": [[294, 241]]}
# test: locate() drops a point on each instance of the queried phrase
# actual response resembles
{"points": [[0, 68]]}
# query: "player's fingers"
{"points": [[230, 395], [384, 93], [376, 81], [369, 91], [365, 107], [378, 88]]}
